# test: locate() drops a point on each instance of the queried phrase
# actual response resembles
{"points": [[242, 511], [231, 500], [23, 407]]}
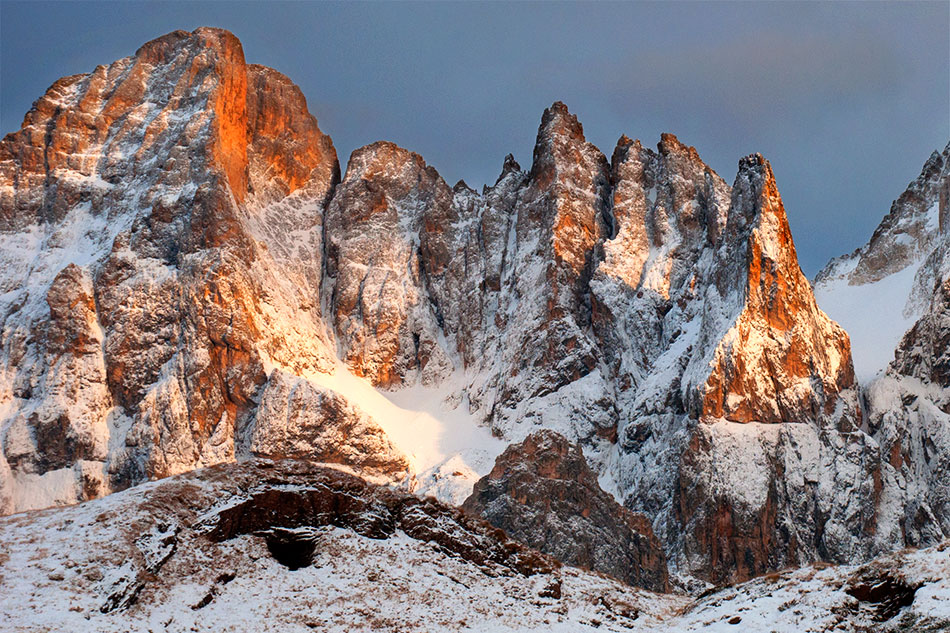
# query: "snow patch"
{"points": [[873, 315], [447, 447]]}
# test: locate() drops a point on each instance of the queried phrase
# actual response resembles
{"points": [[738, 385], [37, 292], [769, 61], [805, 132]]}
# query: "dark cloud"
{"points": [[847, 100]]}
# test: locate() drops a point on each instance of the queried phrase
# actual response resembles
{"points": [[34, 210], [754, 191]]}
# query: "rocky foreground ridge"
{"points": [[300, 547], [188, 280]]}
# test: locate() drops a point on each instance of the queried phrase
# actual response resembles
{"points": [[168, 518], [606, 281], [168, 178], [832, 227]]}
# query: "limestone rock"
{"points": [[182, 272]]}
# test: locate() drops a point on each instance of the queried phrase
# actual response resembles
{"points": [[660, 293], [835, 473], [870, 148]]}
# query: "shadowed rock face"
{"points": [[543, 493], [924, 352], [908, 403], [909, 415]]}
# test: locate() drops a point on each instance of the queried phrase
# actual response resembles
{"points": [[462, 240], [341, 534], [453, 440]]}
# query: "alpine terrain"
{"points": [[596, 394]]}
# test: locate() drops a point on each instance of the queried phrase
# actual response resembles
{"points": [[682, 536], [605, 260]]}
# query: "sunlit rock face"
{"points": [[783, 359], [162, 252], [182, 266]]}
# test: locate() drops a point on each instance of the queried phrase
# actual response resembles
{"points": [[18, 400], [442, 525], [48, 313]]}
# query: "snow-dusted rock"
{"points": [[161, 240], [186, 281], [300, 420], [376, 269], [894, 294], [895, 274]]}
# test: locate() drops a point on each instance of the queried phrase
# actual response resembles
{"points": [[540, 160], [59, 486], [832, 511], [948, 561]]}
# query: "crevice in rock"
{"points": [[292, 548], [885, 591]]}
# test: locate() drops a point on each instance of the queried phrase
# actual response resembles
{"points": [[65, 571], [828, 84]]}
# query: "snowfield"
{"points": [[874, 315]]}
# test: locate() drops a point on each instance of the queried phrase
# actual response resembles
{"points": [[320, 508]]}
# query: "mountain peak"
{"points": [[557, 121], [204, 37], [510, 166]]}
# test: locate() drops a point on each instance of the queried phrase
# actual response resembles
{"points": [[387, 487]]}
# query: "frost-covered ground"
{"points": [[144, 560], [141, 560]]}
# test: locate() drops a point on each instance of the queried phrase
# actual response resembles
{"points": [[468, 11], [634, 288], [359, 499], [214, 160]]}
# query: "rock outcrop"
{"points": [[542, 493], [376, 269]]}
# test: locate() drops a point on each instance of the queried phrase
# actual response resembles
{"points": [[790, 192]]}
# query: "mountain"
{"points": [[298, 547], [895, 290], [895, 271], [188, 280]]}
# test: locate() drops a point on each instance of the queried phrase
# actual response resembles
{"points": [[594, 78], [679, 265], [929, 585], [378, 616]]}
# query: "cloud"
{"points": [[753, 77]]}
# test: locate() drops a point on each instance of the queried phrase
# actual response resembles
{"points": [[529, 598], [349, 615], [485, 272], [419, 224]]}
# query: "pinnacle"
{"points": [[752, 161], [558, 119], [203, 37], [510, 166]]}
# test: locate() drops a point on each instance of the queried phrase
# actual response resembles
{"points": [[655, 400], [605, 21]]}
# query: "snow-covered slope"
{"points": [[188, 554], [880, 290], [906, 591], [285, 546], [875, 315]]}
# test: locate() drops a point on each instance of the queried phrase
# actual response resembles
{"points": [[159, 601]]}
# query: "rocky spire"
{"points": [[510, 166], [782, 359], [389, 201]]}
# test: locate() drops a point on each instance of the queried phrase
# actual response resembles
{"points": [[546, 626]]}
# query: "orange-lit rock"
{"points": [[783, 360], [183, 192], [286, 149]]}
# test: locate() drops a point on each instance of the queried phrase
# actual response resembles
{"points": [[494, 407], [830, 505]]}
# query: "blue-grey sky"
{"points": [[847, 100]]}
